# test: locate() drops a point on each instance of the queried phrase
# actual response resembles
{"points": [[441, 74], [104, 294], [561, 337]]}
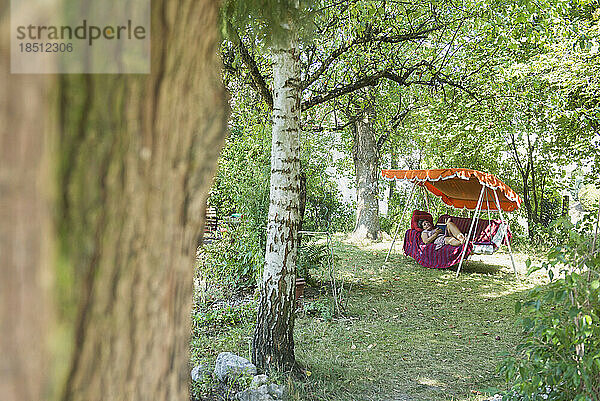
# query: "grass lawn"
{"points": [[409, 333]]}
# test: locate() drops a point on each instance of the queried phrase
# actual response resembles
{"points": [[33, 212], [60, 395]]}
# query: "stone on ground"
{"points": [[259, 380], [271, 392], [230, 366], [200, 371]]}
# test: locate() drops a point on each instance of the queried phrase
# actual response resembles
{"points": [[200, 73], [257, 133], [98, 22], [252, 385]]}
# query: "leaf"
{"points": [[518, 307], [595, 285]]}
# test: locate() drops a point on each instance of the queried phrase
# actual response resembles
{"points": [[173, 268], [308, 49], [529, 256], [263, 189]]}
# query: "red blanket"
{"points": [[483, 232], [427, 256]]}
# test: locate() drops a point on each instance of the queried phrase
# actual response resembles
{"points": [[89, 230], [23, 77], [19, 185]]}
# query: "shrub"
{"points": [[311, 255], [559, 358], [320, 308], [218, 320], [233, 262]]}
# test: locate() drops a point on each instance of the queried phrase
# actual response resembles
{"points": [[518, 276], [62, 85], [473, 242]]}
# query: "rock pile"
{"points": [[229, 368]]}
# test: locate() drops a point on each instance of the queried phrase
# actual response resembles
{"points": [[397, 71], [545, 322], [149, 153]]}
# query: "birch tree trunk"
{"points": [[273, 343], [366, 168], [135, 157]]}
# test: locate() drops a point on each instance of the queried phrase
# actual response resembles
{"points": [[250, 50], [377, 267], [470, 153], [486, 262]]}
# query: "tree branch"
{"points": [[361, 83], [369, 80], [372, 80], [257, 78], [320, 128], [397, 120], [367, 38]]}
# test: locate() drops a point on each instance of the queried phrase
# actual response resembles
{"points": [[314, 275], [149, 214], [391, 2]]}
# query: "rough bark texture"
{"points": [[302, 204], [135, 157], [273, 343], [366, 168]]}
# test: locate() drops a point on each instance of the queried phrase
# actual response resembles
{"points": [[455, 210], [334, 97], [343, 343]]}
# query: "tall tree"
{"points": [[26, 312], [107, 315], [366, 173], [279, 24], [351, 51], [273, 342]]}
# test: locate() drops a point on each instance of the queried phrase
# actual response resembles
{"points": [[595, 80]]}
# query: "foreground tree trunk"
{"points": [[273, 343], [135, 159], [25, 281], [366, 168]]}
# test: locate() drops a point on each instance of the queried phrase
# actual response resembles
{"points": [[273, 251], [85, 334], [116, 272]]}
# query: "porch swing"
{"points": [[462, 189]]}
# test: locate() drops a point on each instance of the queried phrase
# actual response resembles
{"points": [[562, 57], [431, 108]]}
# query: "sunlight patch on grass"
{"points": [[430, 382]]}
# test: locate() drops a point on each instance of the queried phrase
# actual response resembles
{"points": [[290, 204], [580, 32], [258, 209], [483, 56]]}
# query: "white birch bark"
{"points": [[273, 345]]}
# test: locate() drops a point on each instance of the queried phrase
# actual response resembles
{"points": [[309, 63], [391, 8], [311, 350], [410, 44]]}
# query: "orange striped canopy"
{"points": [[461, 187]]}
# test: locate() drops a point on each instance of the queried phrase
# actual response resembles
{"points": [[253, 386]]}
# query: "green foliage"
{"points": [[559, 358], [218, 320], [271, 20], [241, 186], [232, 262], [242, 180], [321, 308], [325, 211], [589, 196], [311, 255]]}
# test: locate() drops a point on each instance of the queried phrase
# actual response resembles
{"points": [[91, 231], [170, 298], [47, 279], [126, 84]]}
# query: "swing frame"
{"points": [[452, 173]]}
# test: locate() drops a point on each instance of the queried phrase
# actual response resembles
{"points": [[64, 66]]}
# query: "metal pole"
{"points": [[475, 216], [412, 192], [506, 235]]}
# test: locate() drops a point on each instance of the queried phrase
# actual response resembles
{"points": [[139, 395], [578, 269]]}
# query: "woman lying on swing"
{"points": [[451, 236]]}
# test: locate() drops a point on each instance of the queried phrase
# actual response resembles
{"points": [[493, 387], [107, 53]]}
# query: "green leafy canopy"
{"points": [[271, 20]]}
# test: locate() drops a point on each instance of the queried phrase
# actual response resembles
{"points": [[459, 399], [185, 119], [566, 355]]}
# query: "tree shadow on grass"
{"points": [[399, 260], [478, 267], [454, 328]]}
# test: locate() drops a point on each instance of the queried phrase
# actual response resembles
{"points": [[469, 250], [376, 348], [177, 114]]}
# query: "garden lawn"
{"points": [[408, 333]]}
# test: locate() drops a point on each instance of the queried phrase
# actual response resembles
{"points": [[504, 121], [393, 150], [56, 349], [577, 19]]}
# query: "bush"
{"points": [[325, 210], [219, 320], [320, 308], [233, 262], [559, 358], [311, 255]]}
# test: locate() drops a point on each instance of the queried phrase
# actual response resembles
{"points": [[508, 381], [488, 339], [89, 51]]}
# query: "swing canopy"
{"points": [[461, 187]]}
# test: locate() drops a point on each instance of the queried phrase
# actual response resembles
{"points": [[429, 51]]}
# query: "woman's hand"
{"points": [[427, 239]]}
